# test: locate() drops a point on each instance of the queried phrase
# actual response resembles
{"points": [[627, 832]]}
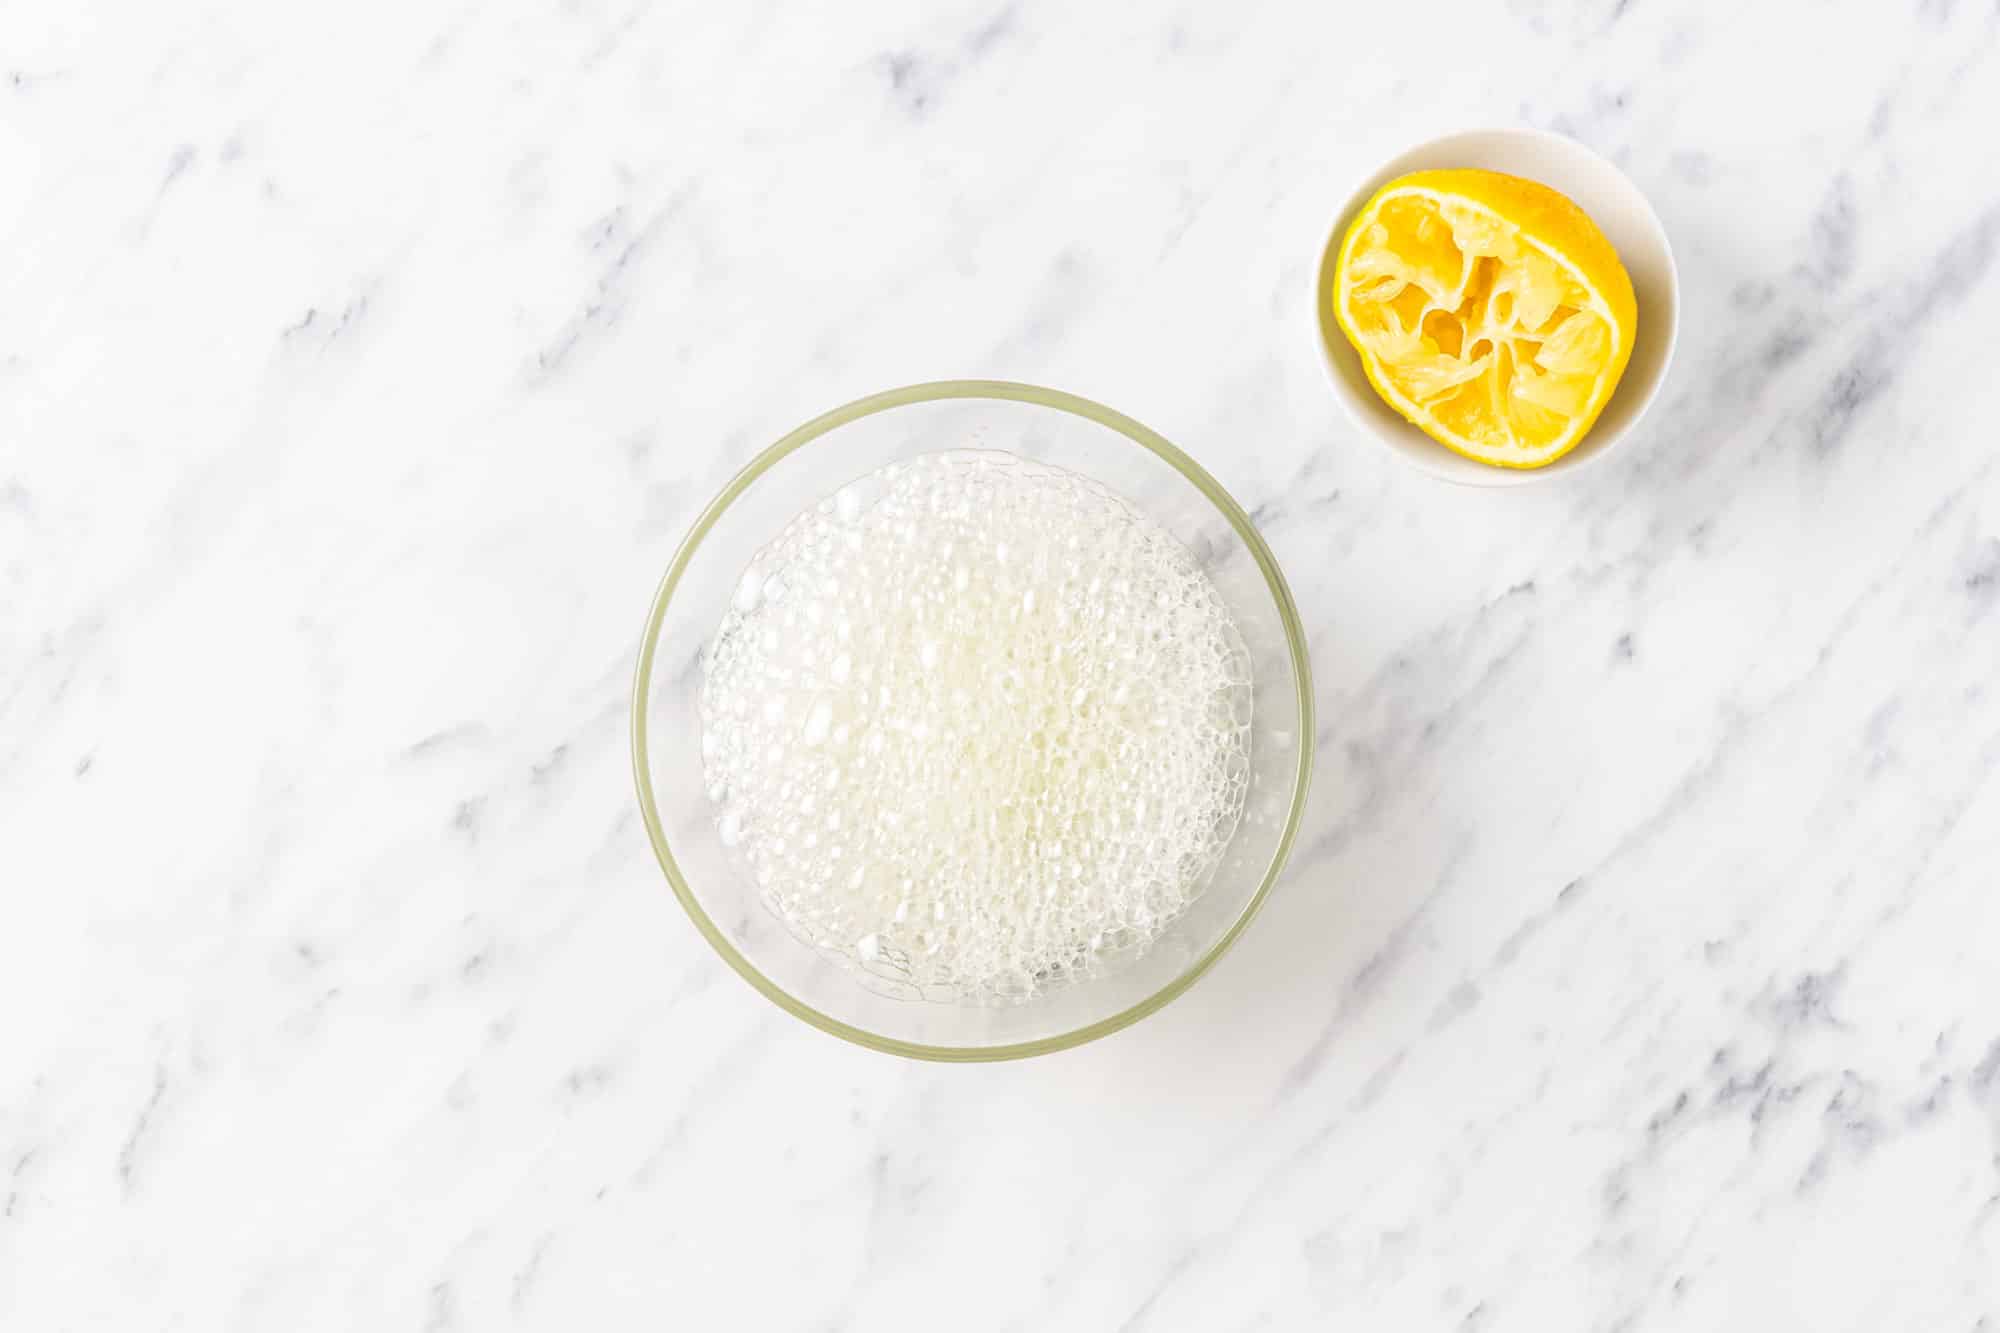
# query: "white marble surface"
{"points": [[360, 366]]}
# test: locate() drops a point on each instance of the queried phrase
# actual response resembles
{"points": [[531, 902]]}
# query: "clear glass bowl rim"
{"points": [[938, 391]]}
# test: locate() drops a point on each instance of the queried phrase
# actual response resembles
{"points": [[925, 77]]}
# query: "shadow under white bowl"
{"points": [[1618, 208]]}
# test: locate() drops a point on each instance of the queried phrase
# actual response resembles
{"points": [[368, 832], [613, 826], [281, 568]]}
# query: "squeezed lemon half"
{"points": [[1488, 310]]}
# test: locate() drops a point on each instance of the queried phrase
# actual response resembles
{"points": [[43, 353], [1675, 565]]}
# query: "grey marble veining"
{"points": [[1639, 966]]}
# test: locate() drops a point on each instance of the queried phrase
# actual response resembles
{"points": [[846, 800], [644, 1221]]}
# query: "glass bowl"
{"points": [[811, 463]]}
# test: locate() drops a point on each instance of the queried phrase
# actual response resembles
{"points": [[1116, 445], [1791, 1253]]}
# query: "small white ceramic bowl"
{"points": [[1614, 203]]}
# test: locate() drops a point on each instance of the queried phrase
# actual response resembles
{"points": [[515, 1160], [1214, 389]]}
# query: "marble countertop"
{"points": [[360, 366]]}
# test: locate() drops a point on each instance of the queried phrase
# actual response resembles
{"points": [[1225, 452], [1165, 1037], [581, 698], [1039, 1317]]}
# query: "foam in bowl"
{"points": [[976, 725]]}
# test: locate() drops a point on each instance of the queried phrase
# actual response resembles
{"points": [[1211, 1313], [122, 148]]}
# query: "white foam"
{"points": [[977, 725]]}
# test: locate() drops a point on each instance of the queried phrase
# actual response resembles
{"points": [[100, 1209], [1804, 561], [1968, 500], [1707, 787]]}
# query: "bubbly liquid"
{"points": [[976, 725]]}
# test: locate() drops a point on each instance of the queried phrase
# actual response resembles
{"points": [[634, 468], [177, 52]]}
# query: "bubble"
{"points": [[818, 723], [749, 590]]}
